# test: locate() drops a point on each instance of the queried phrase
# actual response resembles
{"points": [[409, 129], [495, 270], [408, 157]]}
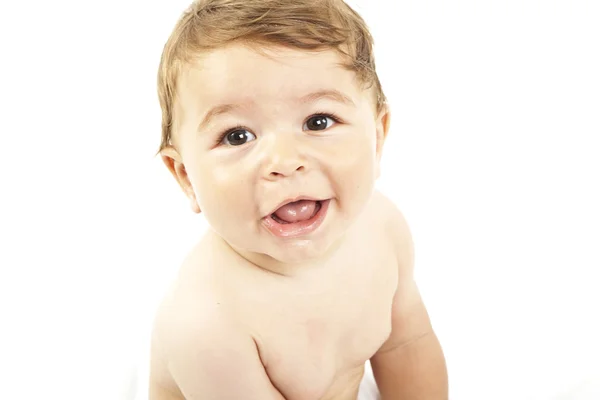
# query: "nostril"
{"points": [[282, 172]]}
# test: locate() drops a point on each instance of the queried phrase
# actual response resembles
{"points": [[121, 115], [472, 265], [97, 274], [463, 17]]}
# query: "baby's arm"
{"points": [[410, 365], [208, 359]]}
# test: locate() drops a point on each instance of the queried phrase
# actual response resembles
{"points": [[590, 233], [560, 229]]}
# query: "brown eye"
{"points": [[238, 137], [318, 123]]}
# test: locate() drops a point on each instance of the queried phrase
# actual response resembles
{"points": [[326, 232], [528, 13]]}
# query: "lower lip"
{"points": [[297, 229]]}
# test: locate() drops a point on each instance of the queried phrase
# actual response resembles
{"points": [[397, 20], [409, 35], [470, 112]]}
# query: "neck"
{"points": [[290, 270]]}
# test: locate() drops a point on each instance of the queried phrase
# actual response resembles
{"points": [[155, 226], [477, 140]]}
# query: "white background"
{"points": [[493, 157]]}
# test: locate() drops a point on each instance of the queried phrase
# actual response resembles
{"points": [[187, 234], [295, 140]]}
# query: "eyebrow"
{"points": [[331, 94]]}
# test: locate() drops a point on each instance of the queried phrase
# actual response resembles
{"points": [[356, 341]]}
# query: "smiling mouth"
{"points": [[297, 218], [317, 207]]}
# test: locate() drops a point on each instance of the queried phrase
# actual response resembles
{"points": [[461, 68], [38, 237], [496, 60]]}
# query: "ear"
{"points": [[174, 163], [382, 126]]}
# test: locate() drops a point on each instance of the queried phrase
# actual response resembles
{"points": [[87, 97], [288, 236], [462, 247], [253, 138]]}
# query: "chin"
{"points": [[301, 251]]}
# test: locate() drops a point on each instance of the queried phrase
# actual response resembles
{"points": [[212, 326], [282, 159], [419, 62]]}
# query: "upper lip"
{"points": [[292, 200]]}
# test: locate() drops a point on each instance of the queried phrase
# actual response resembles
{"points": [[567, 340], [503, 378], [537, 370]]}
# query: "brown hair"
{"points": [[311, 25]]}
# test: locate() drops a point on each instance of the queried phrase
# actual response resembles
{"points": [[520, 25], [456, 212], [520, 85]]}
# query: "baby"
{"points": [[274, 121]]}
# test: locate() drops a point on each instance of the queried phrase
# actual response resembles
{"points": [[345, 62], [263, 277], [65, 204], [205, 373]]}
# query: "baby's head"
{"points": [[265, 102]]}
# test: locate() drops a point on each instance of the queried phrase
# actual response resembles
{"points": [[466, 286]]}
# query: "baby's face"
{"points": [[254, 132]]}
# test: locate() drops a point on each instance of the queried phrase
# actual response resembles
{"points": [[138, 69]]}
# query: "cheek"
{"points": [[353, 170], [356, 156], [359, 174], [223, 190], [216, 176]]}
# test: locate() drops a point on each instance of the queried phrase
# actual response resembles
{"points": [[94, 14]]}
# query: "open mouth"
{"points": [[317, 208], [297, 218]]}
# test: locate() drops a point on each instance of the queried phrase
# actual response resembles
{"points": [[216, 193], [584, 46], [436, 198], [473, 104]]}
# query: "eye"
{"points": [[319, 122], [237, 137]]}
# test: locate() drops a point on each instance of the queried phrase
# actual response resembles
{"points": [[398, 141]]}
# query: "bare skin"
{"points": [[258, 313], [313, 331]]}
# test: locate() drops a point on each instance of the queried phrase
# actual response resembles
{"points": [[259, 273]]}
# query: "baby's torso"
{"points": [[315, 332], [314, 337]]}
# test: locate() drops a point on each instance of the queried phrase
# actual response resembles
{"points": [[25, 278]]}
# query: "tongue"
{"points": [[297, 211]]}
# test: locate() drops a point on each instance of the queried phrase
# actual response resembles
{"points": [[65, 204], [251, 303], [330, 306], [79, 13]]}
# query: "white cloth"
{"points": [[368, 388]]}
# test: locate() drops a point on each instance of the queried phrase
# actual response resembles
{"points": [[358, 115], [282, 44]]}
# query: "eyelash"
{"points": [[222, 136], [241, 127]]}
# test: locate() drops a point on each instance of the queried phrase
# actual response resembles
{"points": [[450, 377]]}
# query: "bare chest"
{"points": [[312, 334]]}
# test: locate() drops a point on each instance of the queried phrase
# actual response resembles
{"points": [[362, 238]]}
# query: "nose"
{"points": [[282, 158]]}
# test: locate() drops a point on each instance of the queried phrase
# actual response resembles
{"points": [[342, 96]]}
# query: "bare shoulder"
{"points": [[161, 383], [177, 330], [395, 227], [409, 315], [198, 347]]}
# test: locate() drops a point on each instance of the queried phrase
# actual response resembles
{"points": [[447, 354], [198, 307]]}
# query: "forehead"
{"points": [[232, 73]]}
